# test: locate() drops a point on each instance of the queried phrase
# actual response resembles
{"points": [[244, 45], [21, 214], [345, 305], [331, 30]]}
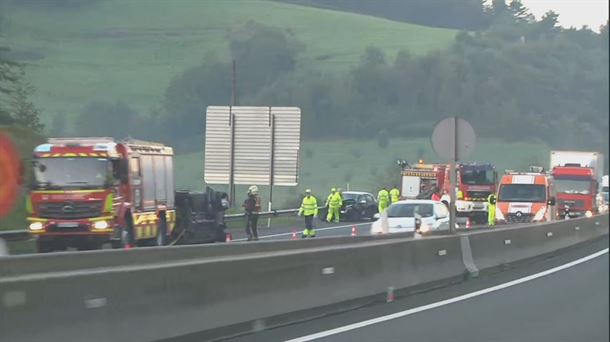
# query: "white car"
{"points": [[402, 215]]}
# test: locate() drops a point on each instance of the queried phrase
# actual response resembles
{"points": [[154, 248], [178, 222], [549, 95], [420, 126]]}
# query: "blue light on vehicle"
{"points": [[43, 148], [106, 147]]}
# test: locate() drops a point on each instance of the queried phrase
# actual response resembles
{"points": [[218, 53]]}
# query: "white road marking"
{"points": [[298, 231], [328, 270], [444, 302]]}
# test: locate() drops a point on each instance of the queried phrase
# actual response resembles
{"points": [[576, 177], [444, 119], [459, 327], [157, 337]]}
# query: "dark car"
{"points": [[357, 206]]}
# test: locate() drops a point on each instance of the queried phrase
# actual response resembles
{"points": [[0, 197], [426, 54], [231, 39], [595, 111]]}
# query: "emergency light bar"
{"points": [[80, 141]]}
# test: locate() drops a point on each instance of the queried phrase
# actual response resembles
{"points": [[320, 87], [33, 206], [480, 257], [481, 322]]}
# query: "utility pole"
{"points": [[233, 104]]}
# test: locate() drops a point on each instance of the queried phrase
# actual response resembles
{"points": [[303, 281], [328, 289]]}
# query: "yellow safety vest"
{"points": [[309, 206], [383, 196], [395, 195], [335, 201]]}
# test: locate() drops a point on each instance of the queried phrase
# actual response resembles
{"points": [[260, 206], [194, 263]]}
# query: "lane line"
{"points": [[444, 302], [317, 230]]}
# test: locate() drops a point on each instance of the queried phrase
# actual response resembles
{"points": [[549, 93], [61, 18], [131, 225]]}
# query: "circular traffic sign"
{"points": [[453, 138]]}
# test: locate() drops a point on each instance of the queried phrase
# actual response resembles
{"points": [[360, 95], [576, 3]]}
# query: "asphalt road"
{"points": [[568, 305], [285, 232]]}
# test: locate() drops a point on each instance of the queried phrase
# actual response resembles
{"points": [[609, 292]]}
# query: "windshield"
{"points": [[71, 172], [522, 193], [410, 209], [477, 177], [348, 196], [573, 186]]}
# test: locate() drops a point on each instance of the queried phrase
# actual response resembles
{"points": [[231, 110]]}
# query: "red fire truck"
{"points": [[90, 191], [475, 182], [577, 176]]}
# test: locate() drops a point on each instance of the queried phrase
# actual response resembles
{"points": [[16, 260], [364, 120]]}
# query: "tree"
{"points": [[106, 118], [15, 105], [23, 111], [519, 12], [263, 54]]}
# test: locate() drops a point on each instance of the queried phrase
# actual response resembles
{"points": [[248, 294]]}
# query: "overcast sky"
{"points": [[577, 13]]}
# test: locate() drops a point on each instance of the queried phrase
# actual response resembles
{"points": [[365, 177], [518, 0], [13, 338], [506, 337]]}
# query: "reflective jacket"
{"points": [[335, 200], [395, 195], [309, 206], [383, 196]]}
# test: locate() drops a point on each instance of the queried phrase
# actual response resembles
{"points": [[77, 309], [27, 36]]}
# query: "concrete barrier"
{"points": [[493, 248], [170, 299], [206, 288], [66, 261]]}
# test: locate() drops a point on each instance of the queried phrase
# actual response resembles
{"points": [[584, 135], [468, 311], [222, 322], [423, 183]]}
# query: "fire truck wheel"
{"points": [[162, 231]]}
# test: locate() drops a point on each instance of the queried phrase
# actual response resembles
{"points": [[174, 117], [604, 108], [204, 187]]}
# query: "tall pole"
{"points": [[233, 104], [272, 166], [453, 180]]}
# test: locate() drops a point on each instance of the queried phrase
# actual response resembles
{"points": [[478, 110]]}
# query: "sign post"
{"points": [[453, 139], [252, 146]]}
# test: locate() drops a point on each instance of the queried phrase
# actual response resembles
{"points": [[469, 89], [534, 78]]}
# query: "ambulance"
{"points": [[525, 197]]}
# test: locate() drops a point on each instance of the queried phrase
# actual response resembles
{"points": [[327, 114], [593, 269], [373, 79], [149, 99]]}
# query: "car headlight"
{"points": [[499, 215], [588, 213], [36, 226], [100, 225], [540, 214]]}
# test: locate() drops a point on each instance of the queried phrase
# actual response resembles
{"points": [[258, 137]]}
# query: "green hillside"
{"points": [[364, 165], [130, 49]]}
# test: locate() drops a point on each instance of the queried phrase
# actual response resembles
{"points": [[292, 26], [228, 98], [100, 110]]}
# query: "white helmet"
{"points": [[253, 189]]}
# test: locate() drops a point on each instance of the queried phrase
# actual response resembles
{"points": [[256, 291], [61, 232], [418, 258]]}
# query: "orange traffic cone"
{"points": [[390, 295], [294, 235], [354, 231], [229, 237], [128, 246]]}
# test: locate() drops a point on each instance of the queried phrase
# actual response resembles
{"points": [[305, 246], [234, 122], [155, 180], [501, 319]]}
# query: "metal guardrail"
{"points": [[14, 235], [23, 234]]}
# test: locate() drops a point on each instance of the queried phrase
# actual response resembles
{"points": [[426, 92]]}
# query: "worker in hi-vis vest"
{"points": [[395, 194], [383, 199], [491, 209], [334, 203], [309, 209]]}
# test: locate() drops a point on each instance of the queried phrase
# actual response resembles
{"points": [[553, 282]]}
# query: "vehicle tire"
{"points": [[45, 246], [161, 239]]}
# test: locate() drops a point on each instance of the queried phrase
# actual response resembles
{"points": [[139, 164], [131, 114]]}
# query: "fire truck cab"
{"points": [[90, 191], [525, 197]]}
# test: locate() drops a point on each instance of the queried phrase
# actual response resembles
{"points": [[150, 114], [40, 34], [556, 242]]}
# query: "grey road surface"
{"points": [[570, 305]]}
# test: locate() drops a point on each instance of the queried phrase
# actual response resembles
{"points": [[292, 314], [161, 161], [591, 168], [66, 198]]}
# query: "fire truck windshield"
{"points": [[522, 193], [477, 176], [573, 186], [83, 173]]}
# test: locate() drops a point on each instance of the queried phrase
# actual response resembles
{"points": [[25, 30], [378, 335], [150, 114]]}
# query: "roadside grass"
{"points": [[130, 49]]}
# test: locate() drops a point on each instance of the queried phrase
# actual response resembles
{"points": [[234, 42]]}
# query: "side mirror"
{"points": [[122, 170], [377, 216], [551, 201]]}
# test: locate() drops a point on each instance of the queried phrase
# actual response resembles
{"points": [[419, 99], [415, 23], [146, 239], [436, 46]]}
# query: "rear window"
{"points": [[410, 210]]}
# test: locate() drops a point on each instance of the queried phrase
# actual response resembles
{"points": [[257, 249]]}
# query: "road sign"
{"points": [[453, 139], [252, 145]]}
